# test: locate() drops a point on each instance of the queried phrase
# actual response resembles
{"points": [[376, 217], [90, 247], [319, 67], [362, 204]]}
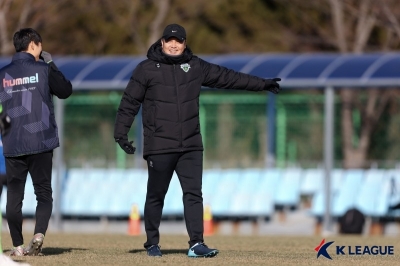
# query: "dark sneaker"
{"points": [[35, 246], [200, 250], [154, 251], [17, 251]]}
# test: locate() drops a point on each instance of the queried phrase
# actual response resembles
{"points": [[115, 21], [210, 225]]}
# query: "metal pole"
{"points": [[271, 129], [59, 163], [328, 153]]}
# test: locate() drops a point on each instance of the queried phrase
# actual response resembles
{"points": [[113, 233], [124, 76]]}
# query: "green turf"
{"points": [[108, 249]]}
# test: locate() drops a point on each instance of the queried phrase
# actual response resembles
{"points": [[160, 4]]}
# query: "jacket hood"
{"points": [[155, 53]]}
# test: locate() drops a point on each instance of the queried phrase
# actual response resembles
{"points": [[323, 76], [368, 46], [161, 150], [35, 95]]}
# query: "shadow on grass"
{"points": [[54, 251], [163, 251]]}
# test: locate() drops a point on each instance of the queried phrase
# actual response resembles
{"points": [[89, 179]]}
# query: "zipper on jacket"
{"points": [[179, 110]]}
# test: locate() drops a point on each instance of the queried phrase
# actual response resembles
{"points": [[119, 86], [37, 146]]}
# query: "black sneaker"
{"points": [[200, 250], [154, 251]]}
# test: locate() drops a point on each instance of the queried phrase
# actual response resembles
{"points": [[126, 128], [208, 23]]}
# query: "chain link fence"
{"points": [[234, 131]]}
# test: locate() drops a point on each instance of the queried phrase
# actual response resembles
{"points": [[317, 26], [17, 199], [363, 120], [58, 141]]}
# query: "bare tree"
{"points": [[348, 26], [5, 41], [366, 15], [16, 14], [157, 24]]}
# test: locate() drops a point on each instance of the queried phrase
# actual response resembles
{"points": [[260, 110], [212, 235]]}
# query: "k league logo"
{"points": [[374, 250], [322, 249]]}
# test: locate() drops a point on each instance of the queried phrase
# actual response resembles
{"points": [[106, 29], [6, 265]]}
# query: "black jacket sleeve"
{"points": [[215, 76], [130, 103], [59, 85]]}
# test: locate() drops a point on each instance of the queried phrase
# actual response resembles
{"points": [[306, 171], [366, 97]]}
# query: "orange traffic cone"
{"points": [[208, 221], [134, 221]]}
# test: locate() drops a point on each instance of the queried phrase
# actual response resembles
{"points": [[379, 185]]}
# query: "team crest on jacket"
{"points": [[185, 67]]}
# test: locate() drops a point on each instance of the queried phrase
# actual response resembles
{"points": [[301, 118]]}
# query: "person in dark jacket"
{"points": [[168, 85], [26, 92]]}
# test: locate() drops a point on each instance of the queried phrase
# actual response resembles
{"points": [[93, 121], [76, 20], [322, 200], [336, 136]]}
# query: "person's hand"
{"points": [[46, 57], [126, 146], [272, 85], [5, 123]]}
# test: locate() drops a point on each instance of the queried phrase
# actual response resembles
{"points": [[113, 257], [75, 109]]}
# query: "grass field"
{"points": [[108, 249]]}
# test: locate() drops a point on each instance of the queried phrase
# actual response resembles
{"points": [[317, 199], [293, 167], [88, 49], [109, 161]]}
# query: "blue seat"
{"points": [[337, 176], [262, 205], [29, 203], [318, 204], [3, 199], [131, 187], [211, 177], [394, 186], [119, 205], [370, 191], [243, 196], [390, 195], [173, 204], [226, 188], [136, 187], [249, 180], [288, 193], [384, 201], [75, 194], [348, 192], [312, 181], [318, 199], [268, 182]]}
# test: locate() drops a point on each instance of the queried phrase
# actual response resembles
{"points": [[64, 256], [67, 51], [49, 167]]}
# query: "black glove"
{"points": [[46, 57], [272, 85], [126, 145], [5, 123]]}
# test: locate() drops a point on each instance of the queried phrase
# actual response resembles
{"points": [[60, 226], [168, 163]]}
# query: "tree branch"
{"points": [[338, 24], [24, 13], [373, 111], [392, 18], [364, 26], [155, 27], [4, 38]]}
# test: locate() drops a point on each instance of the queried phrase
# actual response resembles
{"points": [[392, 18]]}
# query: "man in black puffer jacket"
{"points": [[168, 86]]}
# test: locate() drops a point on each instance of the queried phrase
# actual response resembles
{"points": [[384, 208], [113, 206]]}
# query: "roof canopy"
{"points": [[296, 70]]}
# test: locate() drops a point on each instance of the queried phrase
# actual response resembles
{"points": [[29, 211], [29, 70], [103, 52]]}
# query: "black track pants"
{"points": [[189, 168], [17, 168]]}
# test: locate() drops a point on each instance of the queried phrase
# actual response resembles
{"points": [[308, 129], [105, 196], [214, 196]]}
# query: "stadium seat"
{"points": [[226, 189], [313, 181], [268, 182], [3, 200], [29, 203], [318, 199], [348, 192], [74, 196], [389, 195], [211, 177], [288, 193], [134, 189], [242, 199], [173, 204], [370, 191], [262, 205]]}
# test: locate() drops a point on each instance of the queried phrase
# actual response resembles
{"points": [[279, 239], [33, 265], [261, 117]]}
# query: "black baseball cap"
{"points": [[174, 30]]}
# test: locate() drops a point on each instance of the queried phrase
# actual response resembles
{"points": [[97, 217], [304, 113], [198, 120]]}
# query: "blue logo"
{"points": [[322, 249]]}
